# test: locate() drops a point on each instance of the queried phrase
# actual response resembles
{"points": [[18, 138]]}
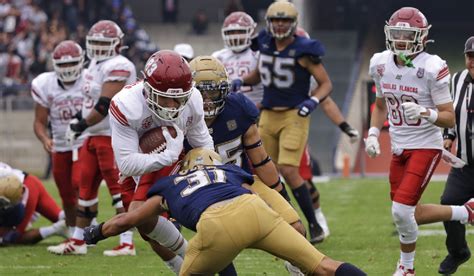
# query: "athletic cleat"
{"points": [[124, 249], [316, 233], [470, 210], [450, 264], [402, 271], [321, 219], [293, 270], [69, 247]]}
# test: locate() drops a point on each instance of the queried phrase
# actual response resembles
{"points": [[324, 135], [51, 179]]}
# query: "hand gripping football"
{"points": [[153, 141]]}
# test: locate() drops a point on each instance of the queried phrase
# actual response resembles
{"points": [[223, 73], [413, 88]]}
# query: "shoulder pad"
{"points": [[309, 47]]}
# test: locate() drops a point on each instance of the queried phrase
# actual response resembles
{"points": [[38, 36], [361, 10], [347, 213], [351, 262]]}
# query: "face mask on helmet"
{"points": [[68, 61], [200, 157], [103, 40], [166, 105], [213, 95], [406, 32], [237, 31], [212, 81], [281, 19]]}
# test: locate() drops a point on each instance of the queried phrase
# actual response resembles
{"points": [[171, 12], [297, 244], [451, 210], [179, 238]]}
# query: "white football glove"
{"points": [[413, 111], [174, 146], [372, 146], [71, 135]]}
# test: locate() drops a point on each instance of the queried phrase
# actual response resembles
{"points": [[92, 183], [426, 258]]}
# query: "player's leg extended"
{"points": [[110, 174], [410, 172], [64, 169], [293, 139]]}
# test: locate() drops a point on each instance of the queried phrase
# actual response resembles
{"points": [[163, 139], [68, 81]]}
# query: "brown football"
{"points": [[153, 140]]}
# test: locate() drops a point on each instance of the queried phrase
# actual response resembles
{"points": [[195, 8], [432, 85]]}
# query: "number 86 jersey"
{"points": [[426, 83]]}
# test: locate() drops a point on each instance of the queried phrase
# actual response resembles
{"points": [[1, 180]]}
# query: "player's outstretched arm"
{"points": [[101, 109], [123, 222], [446, 117], [252, 78]]}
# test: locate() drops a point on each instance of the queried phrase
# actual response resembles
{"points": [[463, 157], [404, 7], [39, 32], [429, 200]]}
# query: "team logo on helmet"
{"points": [[285, 11]]}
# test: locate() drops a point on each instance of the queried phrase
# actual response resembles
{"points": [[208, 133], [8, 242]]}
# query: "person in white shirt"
{"points": [[58, 97], [413, 88], [165, 97]]}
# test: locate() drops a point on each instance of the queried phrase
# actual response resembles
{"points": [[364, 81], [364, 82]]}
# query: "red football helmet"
{"points": [[68, 59], [237, 31], [167, 75], [406, 31], [103, 40], [301, 32]]}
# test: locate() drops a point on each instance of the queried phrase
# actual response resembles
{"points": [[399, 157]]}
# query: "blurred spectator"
{"points": [[200, 22], [233, 6], [10, 64], [170, 11]]}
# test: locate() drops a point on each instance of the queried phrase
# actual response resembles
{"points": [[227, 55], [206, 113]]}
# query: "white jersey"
{"points": [[6, 170], [131, 118], [117, 68], [63, 102], [238, 65], [427, 84]]}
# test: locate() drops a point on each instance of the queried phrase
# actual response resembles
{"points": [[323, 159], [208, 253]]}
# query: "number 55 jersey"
{"points": [[426, 83], [63, 102]]}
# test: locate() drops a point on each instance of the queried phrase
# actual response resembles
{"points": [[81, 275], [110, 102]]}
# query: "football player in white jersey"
{"points": [[58, 97], [107, 74], [413, 88], [165, 97]]}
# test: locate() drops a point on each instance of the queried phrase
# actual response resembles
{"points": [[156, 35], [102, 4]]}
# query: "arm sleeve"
{"points": [[439, 83], [198, 135], [374, 74], [126, 151], [119, 72]]}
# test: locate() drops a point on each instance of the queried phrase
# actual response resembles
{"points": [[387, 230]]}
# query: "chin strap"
{"points": [[408, 62]]}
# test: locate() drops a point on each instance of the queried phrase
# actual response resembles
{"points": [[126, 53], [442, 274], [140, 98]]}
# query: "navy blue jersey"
{"points": [[188, 194], [229, 128], [286, 83]]}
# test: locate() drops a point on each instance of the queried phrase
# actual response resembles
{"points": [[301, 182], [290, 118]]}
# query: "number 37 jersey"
{"points": [[426, 84]]}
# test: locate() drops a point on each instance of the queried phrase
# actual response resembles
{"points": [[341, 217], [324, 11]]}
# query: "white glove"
{"points": [[174, 146], [372, 146], [413, 111], [71, 135]]}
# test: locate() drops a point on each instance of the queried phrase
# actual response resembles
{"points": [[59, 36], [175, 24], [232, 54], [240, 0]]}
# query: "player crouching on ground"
{"points": [[21, 195], [210, 198]]}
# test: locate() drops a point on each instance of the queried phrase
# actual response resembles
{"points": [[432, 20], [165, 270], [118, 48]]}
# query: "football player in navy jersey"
{"points": [[232, 122], [212, 199], [285, 67]]}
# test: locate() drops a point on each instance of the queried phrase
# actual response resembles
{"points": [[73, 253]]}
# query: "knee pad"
{"points": [[87, 213], [404, 219]]}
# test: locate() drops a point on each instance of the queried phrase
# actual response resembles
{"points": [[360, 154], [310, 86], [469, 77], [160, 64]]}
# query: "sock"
{"points": [[62, 215], [94, 221], [71, 230], [175, 264], [318, 214], [459, 213], [78, 233], [303, 198], [168, 236], [407, 259], [47, 231], [228, 271], [347, 269], [126, 237]]}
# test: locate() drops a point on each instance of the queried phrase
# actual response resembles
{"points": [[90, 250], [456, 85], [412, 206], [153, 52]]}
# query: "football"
{"points": [[153, 140]]}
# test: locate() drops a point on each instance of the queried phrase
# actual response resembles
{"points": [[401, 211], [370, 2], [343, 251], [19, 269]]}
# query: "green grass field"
{"points": [[358, 213]]}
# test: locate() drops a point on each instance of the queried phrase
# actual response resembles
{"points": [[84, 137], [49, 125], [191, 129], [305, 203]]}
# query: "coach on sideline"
{"points": [[459, 186]]}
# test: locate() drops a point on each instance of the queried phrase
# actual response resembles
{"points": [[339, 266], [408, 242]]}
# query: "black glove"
{"points": [[93, 234]]}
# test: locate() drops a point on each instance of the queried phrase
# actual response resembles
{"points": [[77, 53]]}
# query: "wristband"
{"points": [[432, 117], [374, 131]]}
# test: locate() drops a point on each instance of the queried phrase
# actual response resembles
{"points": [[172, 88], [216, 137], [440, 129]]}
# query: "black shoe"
{"points": [[316, 233], [450, 264]]}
